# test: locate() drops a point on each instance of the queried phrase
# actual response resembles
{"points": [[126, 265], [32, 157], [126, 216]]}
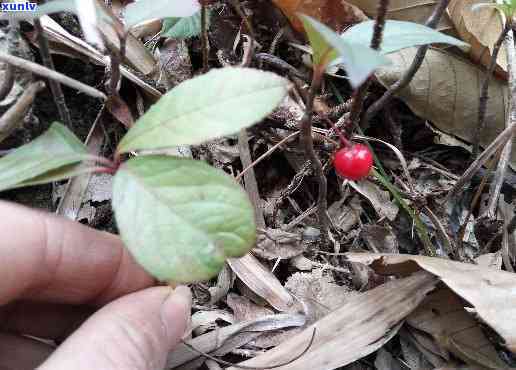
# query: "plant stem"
{"points": [[50, 74], [308, 144], [432, 22], [484, 91], [55, 86], [420, 227], [376, 41], [204, 36]]}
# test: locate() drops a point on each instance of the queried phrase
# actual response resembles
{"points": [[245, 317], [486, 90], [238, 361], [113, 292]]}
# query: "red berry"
{"points": [[353, 162]]}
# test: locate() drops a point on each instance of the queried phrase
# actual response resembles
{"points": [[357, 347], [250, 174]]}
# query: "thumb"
{"points": [[134, 332]]}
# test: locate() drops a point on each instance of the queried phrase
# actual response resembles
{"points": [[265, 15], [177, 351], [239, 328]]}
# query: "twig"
{"points": [[251, 185], [204, 36], [248, 57], [8, 82], [14, 116], [308, 144], [484, 90], [266, 154], [376, 41], [500, 141], [227, 363], [53, 75], [496, 186], [377, 106], [55, 87]]}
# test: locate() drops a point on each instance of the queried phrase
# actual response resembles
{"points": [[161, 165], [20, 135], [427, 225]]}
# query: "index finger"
{"points": [[44, 257]]}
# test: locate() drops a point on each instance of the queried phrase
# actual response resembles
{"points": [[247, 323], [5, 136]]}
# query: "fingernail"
{"points": [[175, 313]]}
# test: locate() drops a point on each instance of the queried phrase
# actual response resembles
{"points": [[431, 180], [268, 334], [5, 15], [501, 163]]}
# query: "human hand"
{"points": [[54, 273]]}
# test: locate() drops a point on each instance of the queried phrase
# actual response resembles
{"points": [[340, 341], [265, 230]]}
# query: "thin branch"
{"points": [[226, 363], [55, 86], [496, 186], [248, 57], [50, 74], [432, 22], [8, 81], [204, 37], [308, 144], [376, 41], [484, 91], [14, 116]]}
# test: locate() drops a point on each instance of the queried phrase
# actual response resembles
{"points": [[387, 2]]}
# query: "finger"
{"points": [[19, 353], [43, 320], [134, 332], [49, 258]]}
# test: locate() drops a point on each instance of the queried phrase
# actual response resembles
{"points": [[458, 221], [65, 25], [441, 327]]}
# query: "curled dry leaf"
{"points": [[361, 326], [491, 292], [442, 316], [480, 28], [446, 90], [380, 200], [336, 14], [406, 10], [277, 243], [230, 337]]}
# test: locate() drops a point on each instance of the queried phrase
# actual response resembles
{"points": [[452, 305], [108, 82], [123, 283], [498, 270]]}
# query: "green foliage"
{"points": [[143, 10], [398, 35], [219, 103], [183, 28], [181, 218], [507, 7], [359, 60], [53, 156]]}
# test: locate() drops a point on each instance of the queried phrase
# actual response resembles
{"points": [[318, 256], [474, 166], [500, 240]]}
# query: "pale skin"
{"points": [[63, 281]]}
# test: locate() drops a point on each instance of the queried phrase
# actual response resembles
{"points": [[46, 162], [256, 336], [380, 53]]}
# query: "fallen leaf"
{"points": [[277, 243], [442, 316], [480, 28], [446, 90], [232, 335], [406, 10], [361, 326], [244, 309], [380, 200], [491, 292], [336, 14], [319, 294]]}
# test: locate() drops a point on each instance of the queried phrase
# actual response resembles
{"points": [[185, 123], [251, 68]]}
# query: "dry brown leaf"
{"points": [[361, 326], [244, 309], [406, 10], [480, 28], [380, 200], [277, 243], [445, 91], [442, 315], [227, 338], [337, 14], [491, 292], [318, 292]]}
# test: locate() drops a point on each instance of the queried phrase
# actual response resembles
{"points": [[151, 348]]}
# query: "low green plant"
{"points": [[179, 217]]}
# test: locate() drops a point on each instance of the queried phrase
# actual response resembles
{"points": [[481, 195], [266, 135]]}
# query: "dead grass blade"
{"points": [[361, 326], [491, 292]]}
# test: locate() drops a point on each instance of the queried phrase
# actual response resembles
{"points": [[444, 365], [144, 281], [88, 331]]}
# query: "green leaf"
{"points": [[399, 35], [50, 157], [218, 103], [359, 60], [183, 28], [144, 10], [181, 218]]}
